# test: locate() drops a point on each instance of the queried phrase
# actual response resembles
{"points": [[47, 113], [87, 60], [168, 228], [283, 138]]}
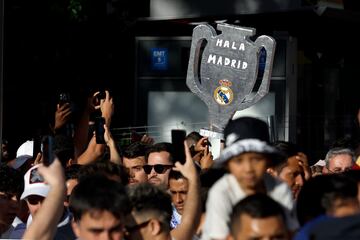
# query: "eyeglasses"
{"points": [[34, 199], [137, 226], [159, 168]]}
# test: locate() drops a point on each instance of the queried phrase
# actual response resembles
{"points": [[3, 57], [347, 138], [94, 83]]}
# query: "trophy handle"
{"points": [[269, 44], [200, 33]]}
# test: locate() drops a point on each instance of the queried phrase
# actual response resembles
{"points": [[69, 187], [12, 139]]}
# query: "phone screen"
{"points": [[99, 130], [177, 139]]}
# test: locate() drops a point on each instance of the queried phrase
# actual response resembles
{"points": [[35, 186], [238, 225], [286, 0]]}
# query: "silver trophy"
{"points": [[224, 72]]}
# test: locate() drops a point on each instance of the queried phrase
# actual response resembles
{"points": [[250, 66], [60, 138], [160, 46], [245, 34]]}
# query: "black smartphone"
{"points": [[36, 146], [101, 95], [64, 98], [47, 149], [177, 139], [99, 130]]}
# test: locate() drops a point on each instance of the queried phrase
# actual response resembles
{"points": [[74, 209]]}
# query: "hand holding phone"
{"points": [[100, 130]]}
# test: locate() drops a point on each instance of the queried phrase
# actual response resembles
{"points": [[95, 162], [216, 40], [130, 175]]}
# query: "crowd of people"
{"points": [[76, 187]]}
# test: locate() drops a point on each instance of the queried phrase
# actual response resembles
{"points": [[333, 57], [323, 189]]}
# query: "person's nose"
{"points": [[131, 173], [152, 173], [178, 198], [299, 180], [248, 166]]}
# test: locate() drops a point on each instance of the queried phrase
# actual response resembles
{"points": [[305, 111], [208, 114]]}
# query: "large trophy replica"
{"points": [[223, 74]]}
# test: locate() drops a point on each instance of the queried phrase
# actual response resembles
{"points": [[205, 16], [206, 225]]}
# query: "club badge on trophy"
{"points": [[223, 69]]}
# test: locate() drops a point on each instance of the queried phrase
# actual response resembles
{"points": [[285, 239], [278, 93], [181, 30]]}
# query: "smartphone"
{"points": [[36, 146], [47, 149], [101, 95], [177, 139], [64, 98], [99, 130]]}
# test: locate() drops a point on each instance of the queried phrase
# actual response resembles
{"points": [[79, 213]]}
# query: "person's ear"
{"points": [[229, 237], [325, 170], [70, 162], [75, 228], [272, 172], [155, 227]]}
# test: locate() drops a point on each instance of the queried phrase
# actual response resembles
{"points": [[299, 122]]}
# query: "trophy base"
{"points": [[211, 134]]}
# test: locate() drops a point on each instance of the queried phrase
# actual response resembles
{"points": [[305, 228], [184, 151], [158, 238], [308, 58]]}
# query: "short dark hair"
{"points": [[63, 148], [339, 187], [176, 175], [147, 198], [258, 205], [288, 149], [11, 181], [72, 171], [160, 147], [136, 149], [193, 136], [105, 168], [318, 193], [98, 193]]}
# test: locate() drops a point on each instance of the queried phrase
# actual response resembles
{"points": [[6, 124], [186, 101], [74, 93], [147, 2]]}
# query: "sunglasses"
{"points": [[159, 168], [34, 199]]}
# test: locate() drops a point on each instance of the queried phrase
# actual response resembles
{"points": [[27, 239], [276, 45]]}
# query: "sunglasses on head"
{"points": [[159, 168]]}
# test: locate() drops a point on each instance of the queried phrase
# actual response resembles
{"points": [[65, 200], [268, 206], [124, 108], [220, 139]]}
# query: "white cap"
{"points": [[24, 152], [34, 184], [321, 163]]}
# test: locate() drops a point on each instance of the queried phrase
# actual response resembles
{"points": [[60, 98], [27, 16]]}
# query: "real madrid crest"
{"points": [[223, 94]]}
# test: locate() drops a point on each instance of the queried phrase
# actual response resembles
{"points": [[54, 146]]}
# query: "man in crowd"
{"points": [[134, 160], [35, 191], [10, 189], [99, 206], [151, 208], [294, 170], [338, 160], [258, 217], [159, 161], [178, 187]]}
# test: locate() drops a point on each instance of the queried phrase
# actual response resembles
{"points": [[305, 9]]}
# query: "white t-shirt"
{"points": [[226, 193]]}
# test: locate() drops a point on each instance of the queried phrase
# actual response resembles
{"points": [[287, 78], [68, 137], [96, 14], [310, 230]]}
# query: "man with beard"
{"points": [[134, 160], [159, 158]]}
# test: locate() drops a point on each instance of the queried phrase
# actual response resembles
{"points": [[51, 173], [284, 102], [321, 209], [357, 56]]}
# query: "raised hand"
{"points": [[207, 159], [62, 115], [187, 169], [107, 108], [147, 139], [304, 163]]}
